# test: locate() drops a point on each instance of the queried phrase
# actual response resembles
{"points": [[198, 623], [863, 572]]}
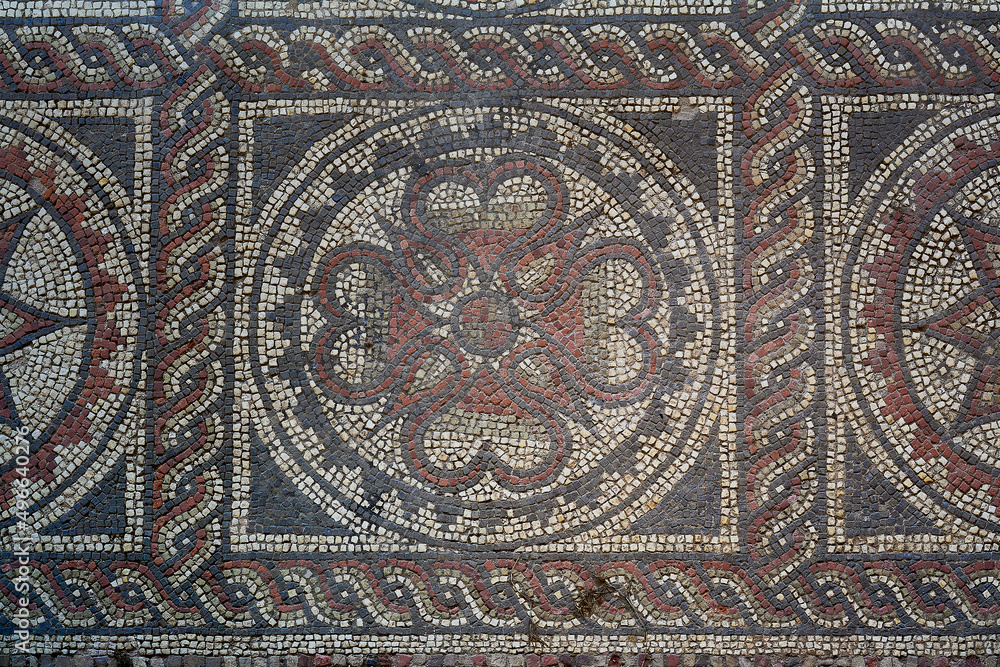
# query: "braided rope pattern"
{"points": [[656, 596], [189, 380], [779, 331], [633, 56]]}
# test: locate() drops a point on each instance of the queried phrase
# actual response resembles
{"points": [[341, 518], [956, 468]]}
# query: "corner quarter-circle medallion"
{"points": [[921, 320]]}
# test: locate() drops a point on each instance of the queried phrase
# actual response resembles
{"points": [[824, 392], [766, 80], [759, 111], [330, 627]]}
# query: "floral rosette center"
{"points": [[475, 329]]}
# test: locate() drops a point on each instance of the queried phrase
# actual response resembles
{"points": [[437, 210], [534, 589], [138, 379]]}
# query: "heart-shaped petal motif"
{"points": [[518, 194]]}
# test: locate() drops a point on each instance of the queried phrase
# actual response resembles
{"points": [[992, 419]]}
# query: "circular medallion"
{"points": [[69, 315], [504, 334], [922, 318]]}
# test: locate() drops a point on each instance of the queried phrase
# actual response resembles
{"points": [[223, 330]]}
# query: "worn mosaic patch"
{"points": [[537, 326]]}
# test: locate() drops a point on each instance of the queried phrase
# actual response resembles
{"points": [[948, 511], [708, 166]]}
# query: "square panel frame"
{"points": [[243, 540], [132, 539], [836, 152]]}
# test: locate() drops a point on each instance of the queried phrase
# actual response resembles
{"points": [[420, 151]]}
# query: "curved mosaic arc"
{"points": [[491, 331], [71, 313], [925, 362], [656, 596]]}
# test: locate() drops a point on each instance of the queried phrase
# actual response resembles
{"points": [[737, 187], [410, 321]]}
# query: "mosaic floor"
{"points": [[393, 327]]}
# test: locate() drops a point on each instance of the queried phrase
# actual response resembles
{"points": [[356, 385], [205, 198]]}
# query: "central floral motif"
{"points": [[485, 327], [504, 334], [486, 323]]}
